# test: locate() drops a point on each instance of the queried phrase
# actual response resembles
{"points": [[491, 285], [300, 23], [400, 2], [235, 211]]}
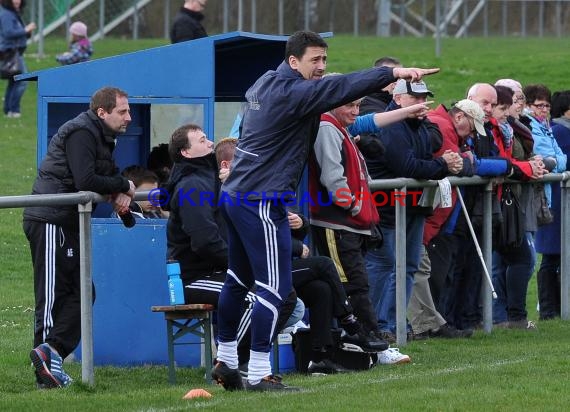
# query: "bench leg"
{"points": [[208, 347], [170, 336]]}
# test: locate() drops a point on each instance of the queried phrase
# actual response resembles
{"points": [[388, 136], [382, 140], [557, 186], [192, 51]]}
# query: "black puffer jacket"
{"points": [[196, 232]]}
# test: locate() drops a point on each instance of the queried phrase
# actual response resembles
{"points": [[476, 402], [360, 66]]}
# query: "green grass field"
{"points": [[502, 371]]}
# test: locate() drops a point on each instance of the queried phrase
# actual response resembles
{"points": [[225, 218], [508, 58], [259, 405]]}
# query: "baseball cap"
{"points": [[411, 88], [473, 110]]}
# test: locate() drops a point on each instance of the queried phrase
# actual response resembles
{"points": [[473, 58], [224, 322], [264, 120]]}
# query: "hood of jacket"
{"points": [[188, 166]]}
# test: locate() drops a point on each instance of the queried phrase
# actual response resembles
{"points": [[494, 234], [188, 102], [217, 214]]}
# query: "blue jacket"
{"points": [[548, 236], [408, 153], [281, 122], [545, 145], [12, 31]]}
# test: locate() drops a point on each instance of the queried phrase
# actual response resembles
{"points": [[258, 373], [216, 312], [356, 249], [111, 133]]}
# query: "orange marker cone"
{"points": [[197, 393]]}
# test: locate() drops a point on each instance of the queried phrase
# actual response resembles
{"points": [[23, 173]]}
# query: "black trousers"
{"points": [[346, 249], [317, 283], [548, 283], [442, 252], [322, 268], [55, 257]]}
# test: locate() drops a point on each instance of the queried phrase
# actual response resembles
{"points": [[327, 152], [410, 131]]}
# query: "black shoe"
{"points": [[367, 342], [270, 383], [325, 367], [422, 335], [450, 332], [229, 378]]}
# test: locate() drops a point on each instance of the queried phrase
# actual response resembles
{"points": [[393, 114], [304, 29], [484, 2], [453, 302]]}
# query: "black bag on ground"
{"points": [[302, 347], [10, 65], [513, 228]]}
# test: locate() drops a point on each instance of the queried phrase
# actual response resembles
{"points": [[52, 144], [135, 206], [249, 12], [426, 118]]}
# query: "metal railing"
{"points": [[85, 200]]}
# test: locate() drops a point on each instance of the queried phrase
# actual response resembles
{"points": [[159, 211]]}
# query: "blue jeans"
{"points": [[386, 277], [512, 270], [380, 262], [14, 92]]}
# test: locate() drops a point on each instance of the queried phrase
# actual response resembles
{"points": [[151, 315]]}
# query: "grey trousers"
{"points": [[422, 313]]}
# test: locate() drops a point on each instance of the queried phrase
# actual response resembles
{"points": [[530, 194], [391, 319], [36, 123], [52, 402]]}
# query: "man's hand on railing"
{"points": [[453, 160]]}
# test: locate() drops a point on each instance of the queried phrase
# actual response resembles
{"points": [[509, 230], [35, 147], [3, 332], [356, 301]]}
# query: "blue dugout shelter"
{"points": [[201, 81]]}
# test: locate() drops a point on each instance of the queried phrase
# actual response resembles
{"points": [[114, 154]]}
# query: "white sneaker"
{"points": [[392, 356]]}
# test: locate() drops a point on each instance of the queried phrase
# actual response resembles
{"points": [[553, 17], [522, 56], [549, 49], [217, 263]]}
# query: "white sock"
{"points": [[259, 367], [227, 353]]}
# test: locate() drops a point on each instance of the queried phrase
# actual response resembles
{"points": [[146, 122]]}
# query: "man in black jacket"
{"points": [[187, 23], [79, 157], [196, 232]]}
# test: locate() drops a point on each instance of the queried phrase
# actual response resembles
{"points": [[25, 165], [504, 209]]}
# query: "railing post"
{"points": [[401, 307], [564, 255], [487, 249], [86, 291]]}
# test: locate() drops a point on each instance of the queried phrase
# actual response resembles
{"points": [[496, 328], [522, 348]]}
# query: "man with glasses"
{"points": [[188, 22]]}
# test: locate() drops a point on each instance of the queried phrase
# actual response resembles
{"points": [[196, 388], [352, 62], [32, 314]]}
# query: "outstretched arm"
{"points": [[412, 74], [419, 110]]}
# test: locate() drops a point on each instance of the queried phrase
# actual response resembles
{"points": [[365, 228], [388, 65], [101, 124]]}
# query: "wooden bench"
{"points": [[187, 319]]}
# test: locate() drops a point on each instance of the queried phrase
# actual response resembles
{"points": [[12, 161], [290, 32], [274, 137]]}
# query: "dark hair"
{"points": [[139, 175], [299, 41], [504, 95], [560, 103], [159, 161], [106, 98], [383, 61], [8, 4], [534, 92], [225, 149], [179, 141]]}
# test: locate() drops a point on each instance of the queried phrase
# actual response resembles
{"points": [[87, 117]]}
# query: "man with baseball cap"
{"points": [[416, 89], [408, 153], [438, 249]]}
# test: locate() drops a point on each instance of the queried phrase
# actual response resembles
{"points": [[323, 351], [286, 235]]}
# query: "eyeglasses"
{"points": [[521, 99], [541, 106]]}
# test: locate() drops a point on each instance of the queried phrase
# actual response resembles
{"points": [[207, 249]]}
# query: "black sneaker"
{"points": [[451, 332], [422, 335], [229, 378], [270, 383], [367, 342], [325, 367]]}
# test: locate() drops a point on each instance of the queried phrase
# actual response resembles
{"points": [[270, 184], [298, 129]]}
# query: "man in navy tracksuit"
{"points": [[279, 127]]}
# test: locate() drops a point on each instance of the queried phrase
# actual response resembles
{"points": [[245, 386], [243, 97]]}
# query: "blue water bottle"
{"points": [[175, 288]]}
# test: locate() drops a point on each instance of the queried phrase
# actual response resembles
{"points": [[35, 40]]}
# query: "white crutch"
{"points": [[476, 242]]}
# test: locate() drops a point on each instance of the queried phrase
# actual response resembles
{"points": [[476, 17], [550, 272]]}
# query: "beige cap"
{"points": [[473, 110]]}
